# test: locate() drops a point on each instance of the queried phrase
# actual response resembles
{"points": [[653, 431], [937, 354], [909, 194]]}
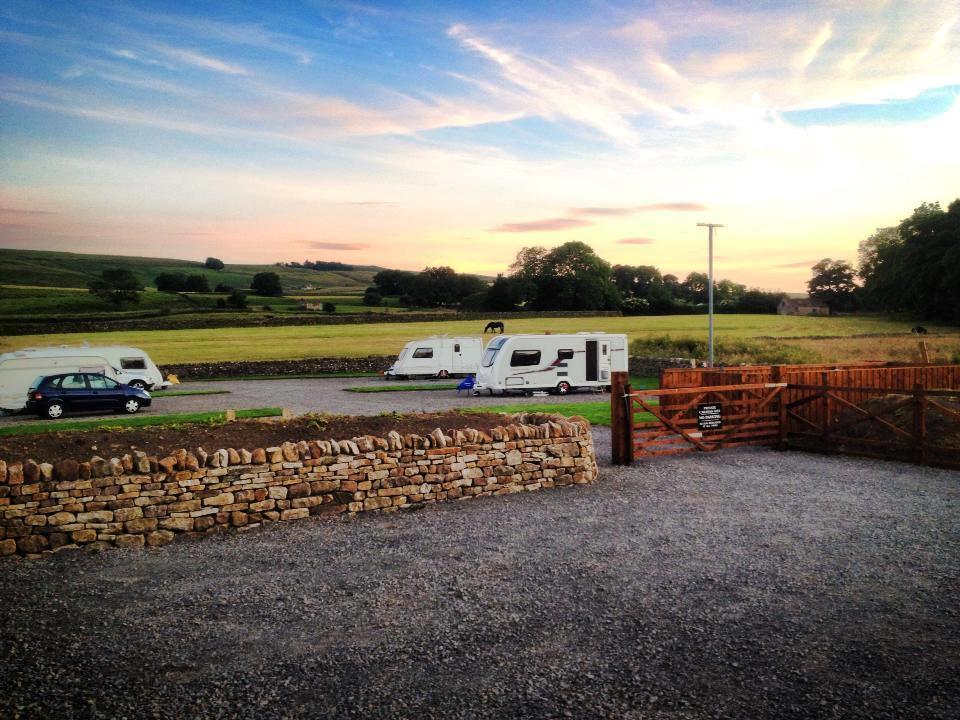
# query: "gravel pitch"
{"points": [[747, 584], [324, 395]]}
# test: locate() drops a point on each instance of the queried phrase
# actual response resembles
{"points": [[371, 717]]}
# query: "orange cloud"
{"points": [[636, 241], [337, 246]]}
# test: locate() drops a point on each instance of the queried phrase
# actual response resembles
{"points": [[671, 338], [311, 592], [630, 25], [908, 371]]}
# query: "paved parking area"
{"points": [[326, 395], [742, 584]]}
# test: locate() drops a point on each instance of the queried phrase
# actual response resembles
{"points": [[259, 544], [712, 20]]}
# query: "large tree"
{"points": [[267, 283], [117, 286], [833, 283], [569, 277]]}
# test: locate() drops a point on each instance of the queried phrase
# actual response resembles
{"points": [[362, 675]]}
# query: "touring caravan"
{"points": [[20, 368], [554, 363], [438, 356]]}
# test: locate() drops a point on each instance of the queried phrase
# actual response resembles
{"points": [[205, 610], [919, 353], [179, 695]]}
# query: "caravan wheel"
{"points": [[443, 374], [563, 387], [138, 384]]}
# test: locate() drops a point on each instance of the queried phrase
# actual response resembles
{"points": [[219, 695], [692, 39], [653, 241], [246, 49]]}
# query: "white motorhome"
{"points": [[20, 368], [437, 356], [554, 363]]}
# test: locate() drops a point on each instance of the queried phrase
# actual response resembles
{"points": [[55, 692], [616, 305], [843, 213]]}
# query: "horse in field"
{"points": [[494, 327], [919, 330]]}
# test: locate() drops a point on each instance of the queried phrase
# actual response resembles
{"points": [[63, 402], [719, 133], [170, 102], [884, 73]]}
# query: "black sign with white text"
{"points": [[710, 416]]}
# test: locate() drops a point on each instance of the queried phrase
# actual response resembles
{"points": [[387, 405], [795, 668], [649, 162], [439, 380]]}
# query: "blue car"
{"points": [[54, 395]]}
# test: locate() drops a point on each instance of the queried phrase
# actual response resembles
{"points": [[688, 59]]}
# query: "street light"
{"points": [[710, 227]]}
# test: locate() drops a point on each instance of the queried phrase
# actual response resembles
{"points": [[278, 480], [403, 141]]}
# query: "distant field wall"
{"points": [[212, 321]]}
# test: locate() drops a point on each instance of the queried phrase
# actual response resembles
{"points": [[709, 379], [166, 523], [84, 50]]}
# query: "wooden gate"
{"points": [[701, 419]]}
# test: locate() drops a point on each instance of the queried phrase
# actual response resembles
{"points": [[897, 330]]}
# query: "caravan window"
{"points": [[525, 358], [565, 354], [423, 353], [456, 347], [492, 349], [133, 364]]}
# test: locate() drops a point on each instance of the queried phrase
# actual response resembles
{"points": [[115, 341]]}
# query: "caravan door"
{"points": [[593, 364]]}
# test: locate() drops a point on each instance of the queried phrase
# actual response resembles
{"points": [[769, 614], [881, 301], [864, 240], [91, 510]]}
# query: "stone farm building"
{"points": [[803, 306]]}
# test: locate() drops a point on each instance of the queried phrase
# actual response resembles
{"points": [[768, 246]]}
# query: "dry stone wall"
{"points": [[141, 500]]}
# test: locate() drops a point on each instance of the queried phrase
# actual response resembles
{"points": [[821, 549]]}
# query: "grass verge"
{"points": [[172, 420], [401, 388], [597, 412]]}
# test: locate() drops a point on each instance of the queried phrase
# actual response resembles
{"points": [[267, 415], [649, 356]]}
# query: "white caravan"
{"points": [[555, 363], [20, 368], [438, 356]]}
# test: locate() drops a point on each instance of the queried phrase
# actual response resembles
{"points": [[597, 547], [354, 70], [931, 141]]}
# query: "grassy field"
{"points": [[295, 342], [596, 411]]}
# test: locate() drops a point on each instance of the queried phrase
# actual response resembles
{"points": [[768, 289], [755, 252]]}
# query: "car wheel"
{"points": [[139, 385], [55, 410], [443, 374], [563, 387], [131, 405]]}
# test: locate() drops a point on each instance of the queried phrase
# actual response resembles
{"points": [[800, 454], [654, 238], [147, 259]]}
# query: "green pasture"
{"points": [[297, 342]]}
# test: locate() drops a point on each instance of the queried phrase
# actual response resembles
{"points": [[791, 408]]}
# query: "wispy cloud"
{"points": [[631, 209], [798, 264], [204, 62], [19, 211], [636, 241], [549, 225], [810, 52], [338, 246]]}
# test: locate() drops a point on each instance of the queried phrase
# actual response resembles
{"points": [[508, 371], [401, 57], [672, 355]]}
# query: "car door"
{"points": [[74, 392], [104, 392]]}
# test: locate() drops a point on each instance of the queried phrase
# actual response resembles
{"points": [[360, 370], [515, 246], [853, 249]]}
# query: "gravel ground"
{"points": [[324, 395], [749, 583]]}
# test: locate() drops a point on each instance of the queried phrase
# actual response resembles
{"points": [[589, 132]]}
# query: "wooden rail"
{"points": [[864, 410]]}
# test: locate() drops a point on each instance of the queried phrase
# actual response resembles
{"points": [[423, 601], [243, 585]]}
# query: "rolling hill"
{"points": [[42, 268]]}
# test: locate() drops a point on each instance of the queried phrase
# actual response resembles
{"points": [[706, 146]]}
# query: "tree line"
{"points": [[912, 267], [569, 277]]}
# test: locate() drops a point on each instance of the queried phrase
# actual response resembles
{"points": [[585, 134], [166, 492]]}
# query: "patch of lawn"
{"points": [[401, 388], [597, 412], [181, 393], [202, 418]]}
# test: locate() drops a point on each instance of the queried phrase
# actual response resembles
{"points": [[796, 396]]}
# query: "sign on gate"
{"points": [[709, 416]]}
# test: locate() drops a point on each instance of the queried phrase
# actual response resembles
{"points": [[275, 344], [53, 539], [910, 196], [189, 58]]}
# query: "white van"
{"points": [[554, 363], [20, 368], [437, 356]]}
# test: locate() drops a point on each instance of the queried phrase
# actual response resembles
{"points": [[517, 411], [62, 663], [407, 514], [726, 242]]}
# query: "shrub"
{"points": [[727, 351], [267, 283], [212, 263], [329, 307]]}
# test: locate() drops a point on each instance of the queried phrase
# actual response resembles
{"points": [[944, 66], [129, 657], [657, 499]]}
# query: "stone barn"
{"points": [[803, 306]]}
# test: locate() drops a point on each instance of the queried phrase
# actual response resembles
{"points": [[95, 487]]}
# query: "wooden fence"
{"points": [[905, 412]]}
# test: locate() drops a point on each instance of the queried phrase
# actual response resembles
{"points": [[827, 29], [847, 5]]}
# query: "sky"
{"points": [[408, 134]]}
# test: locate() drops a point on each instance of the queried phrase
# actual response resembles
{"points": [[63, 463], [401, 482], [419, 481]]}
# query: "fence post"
{"points": [[920, 422], [778, 376], [621, 420], [827, 409]]}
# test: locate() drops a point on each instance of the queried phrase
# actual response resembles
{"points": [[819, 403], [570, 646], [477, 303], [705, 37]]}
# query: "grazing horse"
{"points": [[919, 330], [494, 326]]}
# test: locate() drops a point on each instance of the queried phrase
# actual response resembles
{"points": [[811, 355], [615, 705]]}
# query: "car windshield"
{"points": [[492, 349]]}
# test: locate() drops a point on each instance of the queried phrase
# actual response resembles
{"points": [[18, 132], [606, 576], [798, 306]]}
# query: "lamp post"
{"points": [[710, 227]]}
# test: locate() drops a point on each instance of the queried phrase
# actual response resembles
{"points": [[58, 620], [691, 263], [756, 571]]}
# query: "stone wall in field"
{"points": [[306, 366], [140, 500]]}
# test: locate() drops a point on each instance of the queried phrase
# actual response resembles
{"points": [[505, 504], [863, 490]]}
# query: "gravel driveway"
{"points": [[746, 584], [325, 395]]}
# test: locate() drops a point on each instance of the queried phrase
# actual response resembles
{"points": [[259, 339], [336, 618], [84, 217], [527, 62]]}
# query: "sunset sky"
{"points": [[455, 133]]}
